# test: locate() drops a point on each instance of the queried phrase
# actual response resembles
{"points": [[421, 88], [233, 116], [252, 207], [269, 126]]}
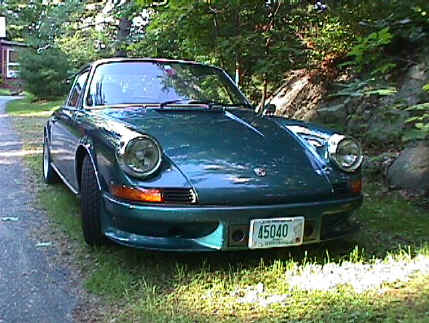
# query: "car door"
{"points": [[65, 135]]}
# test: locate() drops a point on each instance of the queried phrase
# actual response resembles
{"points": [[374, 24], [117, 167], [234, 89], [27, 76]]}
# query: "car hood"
{"points": [[232, 157]]}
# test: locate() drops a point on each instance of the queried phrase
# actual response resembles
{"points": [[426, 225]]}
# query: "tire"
{"points": [[50, 176], [90, 205]]}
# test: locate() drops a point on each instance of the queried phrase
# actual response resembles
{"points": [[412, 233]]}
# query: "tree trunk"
{"points": [[264, 91], [238, 50], [216, 26], [122, 36], [271, 26]]}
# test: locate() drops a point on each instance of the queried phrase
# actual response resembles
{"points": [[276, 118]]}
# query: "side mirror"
{"points": [[269, 109]]}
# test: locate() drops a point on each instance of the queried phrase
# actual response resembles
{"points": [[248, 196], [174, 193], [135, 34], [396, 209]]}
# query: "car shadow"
{"points": [[321, 253]]}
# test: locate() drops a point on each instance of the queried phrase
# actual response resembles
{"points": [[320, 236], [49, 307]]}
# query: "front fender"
{"points": [[86, 148]]}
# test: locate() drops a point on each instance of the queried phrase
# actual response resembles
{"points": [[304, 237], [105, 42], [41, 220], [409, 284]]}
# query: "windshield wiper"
{"points": [[210, 104], [246, 105], [163, 104]]}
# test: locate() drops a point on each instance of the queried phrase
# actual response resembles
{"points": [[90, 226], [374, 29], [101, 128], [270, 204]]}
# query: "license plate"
{"points": [[278, 232]]}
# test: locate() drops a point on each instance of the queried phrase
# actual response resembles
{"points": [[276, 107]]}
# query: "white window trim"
{"points": [[10, 71]]}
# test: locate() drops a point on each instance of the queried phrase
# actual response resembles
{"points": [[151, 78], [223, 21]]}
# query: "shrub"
{"points": [[369, 51], [44, 72], [419, 120]]}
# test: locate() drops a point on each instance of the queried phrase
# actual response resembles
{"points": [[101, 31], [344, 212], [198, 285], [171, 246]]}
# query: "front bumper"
{"points": [[210, 228]]}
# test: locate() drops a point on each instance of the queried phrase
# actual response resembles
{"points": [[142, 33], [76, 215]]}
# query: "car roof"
{"points": [[136, 59], [144, 59]]}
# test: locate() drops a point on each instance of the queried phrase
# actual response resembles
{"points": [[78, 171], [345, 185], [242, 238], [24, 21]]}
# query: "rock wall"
{"points": [[379, 119], [299, 96]]}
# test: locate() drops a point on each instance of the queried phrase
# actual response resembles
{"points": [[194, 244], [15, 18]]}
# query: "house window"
{"points": [[12, 64]]}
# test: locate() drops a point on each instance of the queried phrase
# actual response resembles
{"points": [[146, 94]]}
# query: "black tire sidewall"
{"points": [[51, 175], [91, 205]]}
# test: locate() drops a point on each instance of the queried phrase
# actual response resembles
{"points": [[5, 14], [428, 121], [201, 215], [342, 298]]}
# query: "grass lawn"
{"points": [[145, 286], [4, 91]]}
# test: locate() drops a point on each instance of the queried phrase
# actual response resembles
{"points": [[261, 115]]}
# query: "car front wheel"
{"points": [[90, 205]]}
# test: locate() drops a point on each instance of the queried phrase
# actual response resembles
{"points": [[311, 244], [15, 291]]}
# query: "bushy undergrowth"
{"points": [[44, 73]]}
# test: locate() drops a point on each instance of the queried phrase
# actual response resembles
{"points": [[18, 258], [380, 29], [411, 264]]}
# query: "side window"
{"points": [[76, 90]]}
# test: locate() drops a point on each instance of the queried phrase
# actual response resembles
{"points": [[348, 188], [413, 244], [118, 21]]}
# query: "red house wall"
{"points": [[6, 82]]}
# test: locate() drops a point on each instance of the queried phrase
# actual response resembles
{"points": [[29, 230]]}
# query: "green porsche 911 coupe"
{"points": [[170, 155]]}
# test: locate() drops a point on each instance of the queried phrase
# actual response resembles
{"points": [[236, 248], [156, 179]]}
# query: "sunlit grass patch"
{"points": [[213, 295], [4, 91], [245, 286], [26, 108], [29, 119]]}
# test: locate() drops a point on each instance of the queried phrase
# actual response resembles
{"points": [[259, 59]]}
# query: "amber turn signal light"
{"points": [[356, 185], [137, 194]]}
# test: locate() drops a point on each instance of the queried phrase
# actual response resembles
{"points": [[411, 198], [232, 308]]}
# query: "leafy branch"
{"points": [[420, 120]]}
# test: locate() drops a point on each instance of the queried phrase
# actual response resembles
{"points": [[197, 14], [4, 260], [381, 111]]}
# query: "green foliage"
{"points": [[21, 16], [383, 30], [4, 91], [44, 72], [84, 46], [253, 37], [363, 88], [407, 20], [420, 122], [52, 28], [326, 35], [369, 50], [261, 40], [39, 22], [333, 38]]}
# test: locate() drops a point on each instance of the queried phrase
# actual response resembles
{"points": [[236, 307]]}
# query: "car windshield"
{"points": [[163, 83]]}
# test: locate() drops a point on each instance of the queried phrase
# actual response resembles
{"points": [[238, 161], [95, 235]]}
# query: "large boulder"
{"points": [[411, 169], [410, 90], [298, 96]]}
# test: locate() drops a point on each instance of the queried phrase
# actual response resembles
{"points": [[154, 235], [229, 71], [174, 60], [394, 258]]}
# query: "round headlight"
{"points": [[345, 152], [140, 156]]}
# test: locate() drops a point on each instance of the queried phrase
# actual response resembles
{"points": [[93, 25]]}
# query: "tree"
{"points": [[43, 65], [249, 39], [44, 73], [21, 16]]}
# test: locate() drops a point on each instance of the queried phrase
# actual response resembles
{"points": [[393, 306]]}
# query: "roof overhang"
{"points": [[12, 43]]}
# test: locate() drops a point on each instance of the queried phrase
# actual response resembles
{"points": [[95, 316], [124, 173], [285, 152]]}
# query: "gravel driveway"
{"points": [[31, 288]]}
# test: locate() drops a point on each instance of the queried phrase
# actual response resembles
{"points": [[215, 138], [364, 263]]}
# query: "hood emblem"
{"points": [[261, 172]]}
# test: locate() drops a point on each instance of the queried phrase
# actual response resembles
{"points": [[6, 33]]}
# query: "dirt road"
{"points": [[31, 288]]}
